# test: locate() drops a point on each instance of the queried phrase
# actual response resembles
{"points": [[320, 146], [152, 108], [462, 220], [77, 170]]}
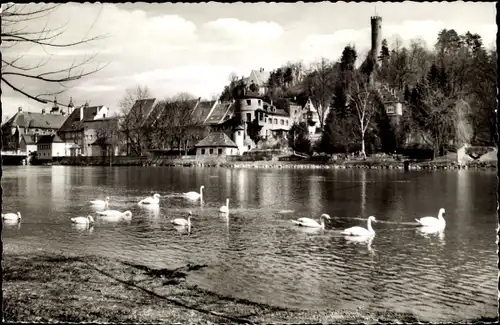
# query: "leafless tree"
{"points": [[363, 99], [135, 119], [320, 85], [17, 34], [177, 125], [107, 135]]}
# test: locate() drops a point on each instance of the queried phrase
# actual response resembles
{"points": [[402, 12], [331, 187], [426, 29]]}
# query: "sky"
{"points": [[193, 48]]}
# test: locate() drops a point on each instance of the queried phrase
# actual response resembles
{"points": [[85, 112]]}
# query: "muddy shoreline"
{"points": [[43, 286]]}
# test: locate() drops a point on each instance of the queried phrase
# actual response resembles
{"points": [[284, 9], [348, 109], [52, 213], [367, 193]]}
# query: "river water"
{"points": [[257, 253]]}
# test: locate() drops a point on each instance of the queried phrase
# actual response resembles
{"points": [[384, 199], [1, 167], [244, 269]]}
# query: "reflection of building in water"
{"points": [[242, 179], [464, 205], [314, 191], [59, 185]]}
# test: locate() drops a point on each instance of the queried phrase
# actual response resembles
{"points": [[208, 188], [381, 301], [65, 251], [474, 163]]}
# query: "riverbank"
{"points": [[369, 163], [43, 286]]}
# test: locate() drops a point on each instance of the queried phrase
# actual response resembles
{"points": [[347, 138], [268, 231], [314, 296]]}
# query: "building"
{"points": [[29, 127], [102, 137], [72, 131], [260, 78], [216, 145], [49, 146]]}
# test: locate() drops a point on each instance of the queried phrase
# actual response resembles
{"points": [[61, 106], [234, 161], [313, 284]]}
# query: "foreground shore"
{"points": [[40, 286], [43, 286]]}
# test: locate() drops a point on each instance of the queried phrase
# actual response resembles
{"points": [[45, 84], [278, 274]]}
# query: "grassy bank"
{"points": [[46, 287]]}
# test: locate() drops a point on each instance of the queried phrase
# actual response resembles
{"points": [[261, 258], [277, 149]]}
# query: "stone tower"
{"points": [[376, 22]]}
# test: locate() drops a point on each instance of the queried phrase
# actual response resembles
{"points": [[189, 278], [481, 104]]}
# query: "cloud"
{"points": [[240, 33], [331, 45]]}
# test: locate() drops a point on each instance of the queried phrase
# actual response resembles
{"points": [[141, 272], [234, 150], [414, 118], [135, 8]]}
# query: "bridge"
{"points": [[14, 157]]}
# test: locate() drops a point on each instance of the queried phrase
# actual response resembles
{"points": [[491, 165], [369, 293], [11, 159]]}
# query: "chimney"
{"points": [[81, 110], [70, 106], [19, 109]]}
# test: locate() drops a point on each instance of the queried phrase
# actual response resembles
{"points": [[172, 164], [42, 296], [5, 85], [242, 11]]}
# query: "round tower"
{"points": [[376, 22], [238, 134]]}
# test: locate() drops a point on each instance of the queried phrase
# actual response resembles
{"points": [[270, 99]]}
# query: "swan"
{"points": [[155, 199], [182, 221], [195, 195], [12, 216], [432, 221], [360, 231], [101, 202], [308, 222], [84, 220], [225, 208], [115, 213]]}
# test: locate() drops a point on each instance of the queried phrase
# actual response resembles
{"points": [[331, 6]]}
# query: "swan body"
{"points": [[225, 208], [360, 231], [83, 220], [308, 222], [12, 216], [155, 199], [115, 213], [195, 195], [432, 221], [101, 202], [182, 221]]}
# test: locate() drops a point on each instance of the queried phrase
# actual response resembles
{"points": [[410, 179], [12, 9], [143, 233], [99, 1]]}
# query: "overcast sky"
{"points": [[193, 48]]}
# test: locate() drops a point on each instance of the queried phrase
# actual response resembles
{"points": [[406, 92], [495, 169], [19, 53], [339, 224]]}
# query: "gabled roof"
{"points": [[50, 139], [73, 122], [217, 139], [28, 139], [202, 110], [220, 110], [142, 107], [36, 120], [259, 77]]}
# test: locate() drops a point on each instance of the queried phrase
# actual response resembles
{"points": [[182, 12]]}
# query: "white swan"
{"points": [[101, 202], [155, 199], [225, 208], [308, 222], [115, 213], [360, 231], [182, 221], [195, 195], [12, 216], [432, 221], [85, 220]]}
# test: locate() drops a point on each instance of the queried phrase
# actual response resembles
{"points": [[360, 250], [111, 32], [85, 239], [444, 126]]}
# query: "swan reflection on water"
{"points": [[431, 232], [82, 227], [12, 224], [152, 210], [361, 240]]}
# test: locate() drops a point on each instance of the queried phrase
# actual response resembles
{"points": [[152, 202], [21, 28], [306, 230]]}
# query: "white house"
{"points": [[216, 144], [49, 146]]}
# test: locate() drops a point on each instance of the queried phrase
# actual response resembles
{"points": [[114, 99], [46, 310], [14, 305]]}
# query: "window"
{"points": [[249, 117], [286, 122], [249, 102], [260, 102], [261, 116], [211, 151], [282, 122], [202, 151], [295, 112], [275, 121], [220, 151], [239, 132], [265, 120], [249, 147]]}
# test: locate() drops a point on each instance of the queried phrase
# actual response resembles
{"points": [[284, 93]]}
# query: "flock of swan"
{"points": [[428, 224]]}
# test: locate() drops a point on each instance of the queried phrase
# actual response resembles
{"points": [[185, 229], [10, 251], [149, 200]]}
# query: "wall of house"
{"points": [[216, 151], [103, 113], [44, 151]]}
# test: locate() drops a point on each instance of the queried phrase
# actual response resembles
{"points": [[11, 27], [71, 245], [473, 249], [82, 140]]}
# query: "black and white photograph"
{"points": [[249, 162]]}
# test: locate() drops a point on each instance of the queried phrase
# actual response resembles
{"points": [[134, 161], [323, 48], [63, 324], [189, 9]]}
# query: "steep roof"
{"points": [[142, 107], [73, 122], [217, 139], [29, 139], [50, 139], [36, 120], [220, 110], [202, 110]]}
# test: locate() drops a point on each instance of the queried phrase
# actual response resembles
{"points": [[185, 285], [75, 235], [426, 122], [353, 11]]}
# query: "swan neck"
{"points": [[370, 229]]}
